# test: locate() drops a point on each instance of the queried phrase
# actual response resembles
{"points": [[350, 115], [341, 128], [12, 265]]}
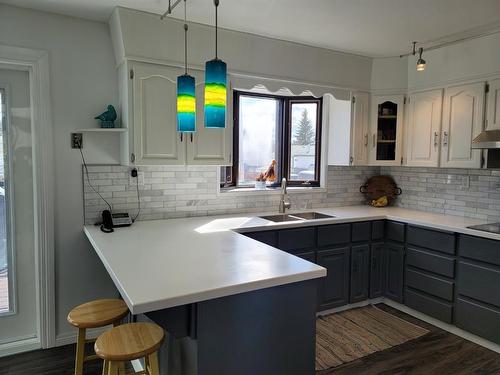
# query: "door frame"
{"points": [[36, 63]]}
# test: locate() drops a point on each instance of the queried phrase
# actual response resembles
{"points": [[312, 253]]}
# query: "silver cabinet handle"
{"points": [[374, 140], [445, 138], [436, 138], [366, 140]]}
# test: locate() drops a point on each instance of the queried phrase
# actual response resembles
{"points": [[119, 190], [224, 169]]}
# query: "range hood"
{"points": [[489, 139]]}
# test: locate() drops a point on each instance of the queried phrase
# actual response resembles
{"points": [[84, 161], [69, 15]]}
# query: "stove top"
{"points": [[492, 228]]}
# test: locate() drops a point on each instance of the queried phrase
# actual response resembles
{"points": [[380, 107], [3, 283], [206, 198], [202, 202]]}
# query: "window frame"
{"points": [[283, 134]]}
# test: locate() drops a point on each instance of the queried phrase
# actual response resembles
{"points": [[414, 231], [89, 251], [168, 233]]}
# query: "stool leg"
{"points": [[121, 368], [80, 351], [105, 368], [113, 368], [153, 363]]}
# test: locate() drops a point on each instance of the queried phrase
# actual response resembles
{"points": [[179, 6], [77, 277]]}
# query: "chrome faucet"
{"points": [[284, 201]]}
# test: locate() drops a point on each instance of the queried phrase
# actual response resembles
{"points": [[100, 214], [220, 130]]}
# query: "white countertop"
{"points": [[165, 263]]}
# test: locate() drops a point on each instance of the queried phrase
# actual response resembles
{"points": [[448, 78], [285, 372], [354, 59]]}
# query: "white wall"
{"points": [[389, 74], [83, 81], [143, 35]]}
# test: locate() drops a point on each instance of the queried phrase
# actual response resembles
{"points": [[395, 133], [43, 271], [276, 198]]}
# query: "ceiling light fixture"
{"points": [[186, 96], [215, 87], [421, 64]]}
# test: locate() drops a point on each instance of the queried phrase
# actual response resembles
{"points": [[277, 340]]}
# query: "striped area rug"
{"points": [[348, 335]]}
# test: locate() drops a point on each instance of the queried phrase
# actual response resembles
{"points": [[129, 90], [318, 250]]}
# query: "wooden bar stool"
{"points": [[128, 342], [94, 314]]}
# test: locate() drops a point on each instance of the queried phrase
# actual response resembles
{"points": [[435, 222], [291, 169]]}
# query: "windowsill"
{"points": [[273, 190]]}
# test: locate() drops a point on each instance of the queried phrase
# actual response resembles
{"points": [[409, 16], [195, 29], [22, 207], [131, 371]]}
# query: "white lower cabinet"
{"points": [[462, 122], [423, 128], [150, 99]]}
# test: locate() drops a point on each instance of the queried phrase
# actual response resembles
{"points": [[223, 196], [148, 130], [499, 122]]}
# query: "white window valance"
{"points": [[285, 88]]}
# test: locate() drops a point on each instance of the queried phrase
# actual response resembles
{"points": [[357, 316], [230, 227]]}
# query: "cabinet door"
{"points": [[359, 130], [462, 122], [394, 270], [209, 146], [423, 128], [493, 116], [360, 273], [334, 288], [387, 130], [156, 140], [377, 270]]}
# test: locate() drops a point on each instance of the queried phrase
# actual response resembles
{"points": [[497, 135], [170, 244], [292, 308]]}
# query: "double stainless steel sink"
{"points": [[279, 218]]}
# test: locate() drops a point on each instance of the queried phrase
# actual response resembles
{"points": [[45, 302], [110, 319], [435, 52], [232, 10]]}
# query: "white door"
{"points": [[359, 132], [462, 122], [423, 128], [209, 146], [386, 141], [18, 294], [156, 140], [493, 116]]}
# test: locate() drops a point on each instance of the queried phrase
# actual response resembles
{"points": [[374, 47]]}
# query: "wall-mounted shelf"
{"points": [[101, 130]]}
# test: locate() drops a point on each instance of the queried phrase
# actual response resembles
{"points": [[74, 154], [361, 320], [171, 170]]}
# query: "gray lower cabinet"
{"points": [[334, 288], [377, 269], [478, 287], [360, 273], [394, 271]]}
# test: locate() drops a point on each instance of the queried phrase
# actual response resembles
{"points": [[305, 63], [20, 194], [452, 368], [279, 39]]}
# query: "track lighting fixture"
{"points": [[421, 64]]}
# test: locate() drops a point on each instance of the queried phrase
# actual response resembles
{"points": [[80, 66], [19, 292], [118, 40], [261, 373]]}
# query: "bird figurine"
{"points": [[107, 118], [270, 174]]}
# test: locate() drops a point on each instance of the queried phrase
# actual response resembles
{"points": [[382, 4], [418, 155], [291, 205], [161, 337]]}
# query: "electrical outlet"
{"points": [[76, 140], [139, 178], [465, 183]]}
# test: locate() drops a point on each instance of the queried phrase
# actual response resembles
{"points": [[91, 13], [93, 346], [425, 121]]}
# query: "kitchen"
{"points": [[253, 246]]}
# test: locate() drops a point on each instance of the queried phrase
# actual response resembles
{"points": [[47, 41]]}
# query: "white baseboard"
{"points": [[20, 346], [70, 337], [444, 326]]}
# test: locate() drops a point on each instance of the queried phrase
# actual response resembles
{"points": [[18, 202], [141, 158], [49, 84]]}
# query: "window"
{"points": [[269, 127]]}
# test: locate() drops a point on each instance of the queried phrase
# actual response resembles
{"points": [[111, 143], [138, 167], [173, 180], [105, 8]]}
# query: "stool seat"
{"points": [[98, 313], [129, 341]]}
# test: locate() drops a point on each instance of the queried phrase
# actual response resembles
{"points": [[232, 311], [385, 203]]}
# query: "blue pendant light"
{"points": [[186, 96], [215, 87]]}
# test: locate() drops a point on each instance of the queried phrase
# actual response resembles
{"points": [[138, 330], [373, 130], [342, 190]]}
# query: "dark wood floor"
{"points": [[437, 352]]}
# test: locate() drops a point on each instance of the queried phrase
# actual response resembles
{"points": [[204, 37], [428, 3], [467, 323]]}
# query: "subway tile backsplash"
{"points": [[180, 191], [185, 191], [471, 193]]}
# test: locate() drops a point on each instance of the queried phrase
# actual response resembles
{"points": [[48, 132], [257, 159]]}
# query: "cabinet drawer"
{"points": [[331, 235], [395, 231], [378, 230], [431, 239], [429, 306], [361, 232], [430, 284], [479, 282], [478, 319], [297, 240], [269, 237], [480, 249], [431, 262]]}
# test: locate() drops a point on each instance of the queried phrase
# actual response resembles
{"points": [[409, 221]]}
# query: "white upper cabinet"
{"points": [[209, 146], [493, 115], [462, 122], [386, 139], [154, 139], [360, 128], [423, 128]]}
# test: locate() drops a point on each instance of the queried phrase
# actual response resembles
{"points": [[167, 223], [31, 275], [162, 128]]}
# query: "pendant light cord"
{"points": [[185, 40], [216, 3]]}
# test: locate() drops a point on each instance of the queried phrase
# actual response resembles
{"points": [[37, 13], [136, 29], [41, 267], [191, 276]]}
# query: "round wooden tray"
{"points": [[379, 186]]}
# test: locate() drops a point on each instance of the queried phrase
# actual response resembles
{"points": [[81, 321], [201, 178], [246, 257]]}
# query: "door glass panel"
{"points": [[258, 131], [5, 305], [304, 121], [386, 131]]}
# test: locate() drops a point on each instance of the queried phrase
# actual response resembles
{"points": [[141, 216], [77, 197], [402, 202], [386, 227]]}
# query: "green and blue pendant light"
{"points": [[215, 87], [186, 97]]}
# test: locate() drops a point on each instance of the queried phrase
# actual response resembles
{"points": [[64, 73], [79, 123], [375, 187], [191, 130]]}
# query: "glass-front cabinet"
{"points": [[387, 130]]}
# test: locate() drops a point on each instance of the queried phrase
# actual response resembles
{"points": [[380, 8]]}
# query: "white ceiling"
{"points": [[367, 27]]}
